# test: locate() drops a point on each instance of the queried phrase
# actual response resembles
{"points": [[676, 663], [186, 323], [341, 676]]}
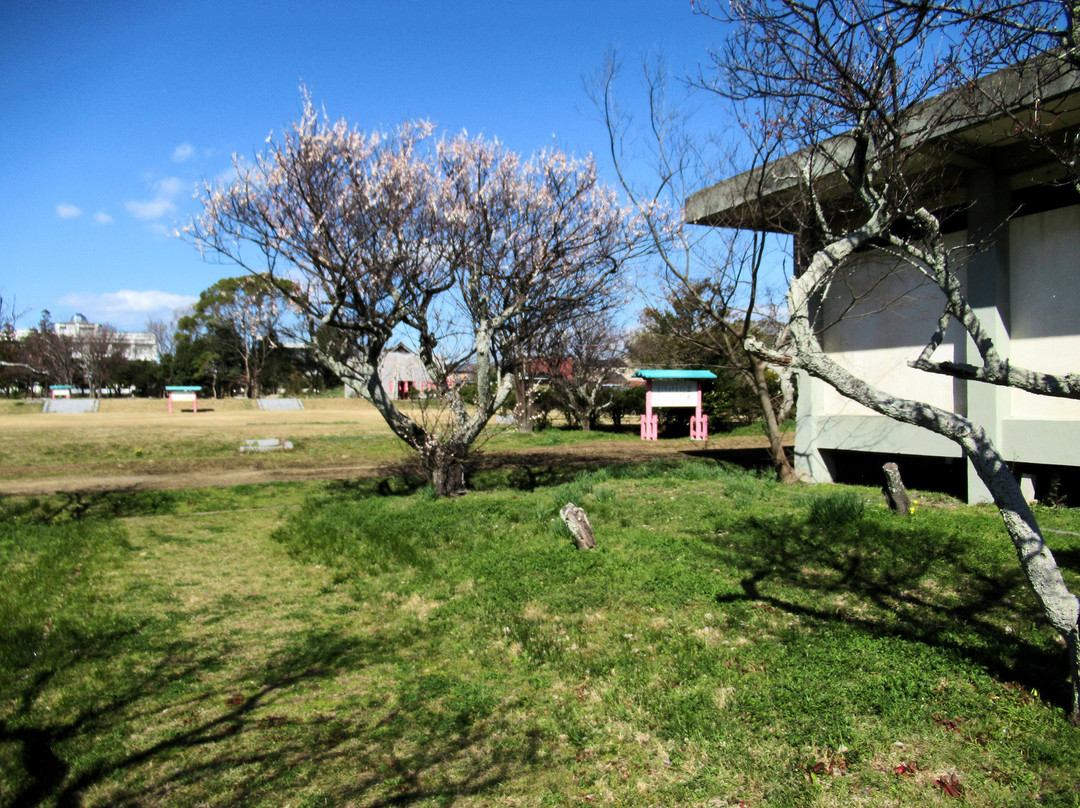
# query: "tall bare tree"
{"points": [[862, 91], [579, 364], [13, 366], [724, 274], [52, 355], [164, 331], [451, 243], [98, 354]]}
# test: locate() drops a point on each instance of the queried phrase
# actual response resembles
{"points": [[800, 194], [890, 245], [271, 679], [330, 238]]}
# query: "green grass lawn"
{"points": [[730, 641]]}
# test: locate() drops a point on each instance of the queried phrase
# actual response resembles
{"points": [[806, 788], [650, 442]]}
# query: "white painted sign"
{"points": [[674, 393]]}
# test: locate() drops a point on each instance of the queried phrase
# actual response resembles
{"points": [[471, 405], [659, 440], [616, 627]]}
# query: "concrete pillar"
{"points": [[988, 293], [810, 464]]}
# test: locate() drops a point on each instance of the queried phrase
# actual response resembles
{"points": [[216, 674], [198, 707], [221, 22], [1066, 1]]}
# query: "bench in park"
{"points": [[70, 406], [281, 404]]}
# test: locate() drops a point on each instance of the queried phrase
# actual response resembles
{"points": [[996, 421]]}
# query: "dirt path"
{"points": [[749, 451]]}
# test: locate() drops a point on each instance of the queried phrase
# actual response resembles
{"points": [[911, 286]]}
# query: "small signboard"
{"points": [[675, 392], [181, 394], [674, 388]]}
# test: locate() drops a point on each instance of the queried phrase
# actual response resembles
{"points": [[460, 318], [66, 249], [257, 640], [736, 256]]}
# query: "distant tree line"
{"points": [[228, 343], [232, 342]]}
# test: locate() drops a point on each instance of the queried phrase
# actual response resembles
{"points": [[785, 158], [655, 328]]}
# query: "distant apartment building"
{"points": [[136, 345]]}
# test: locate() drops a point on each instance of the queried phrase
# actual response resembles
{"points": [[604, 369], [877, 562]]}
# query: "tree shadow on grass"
{"points": [[1068, 559], [72, 506], [243, 740], [915, 584], [517, 471], [527, 471], [749, 459]]}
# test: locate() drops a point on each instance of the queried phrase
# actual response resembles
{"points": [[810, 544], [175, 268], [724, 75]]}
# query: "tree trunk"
{"points": [[787, 390], [1059, 605], [524, 408], [444, 467], [785, 473], [1073, 645]]}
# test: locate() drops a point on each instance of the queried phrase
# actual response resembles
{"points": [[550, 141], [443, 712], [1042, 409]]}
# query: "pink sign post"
{"points": [[674, 388], [650, 423], [182, 394]]}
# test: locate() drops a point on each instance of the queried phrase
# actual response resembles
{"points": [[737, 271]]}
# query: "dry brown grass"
{"points": [[136, 444]]}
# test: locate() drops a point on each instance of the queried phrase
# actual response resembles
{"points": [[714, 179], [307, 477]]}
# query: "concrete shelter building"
{"points": [[993, 188], [402, 372]]}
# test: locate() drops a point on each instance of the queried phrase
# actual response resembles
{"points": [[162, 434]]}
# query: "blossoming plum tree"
{"points": [[456, 244]]}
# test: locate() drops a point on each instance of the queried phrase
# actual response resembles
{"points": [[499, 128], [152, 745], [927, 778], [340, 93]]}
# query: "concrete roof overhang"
{"points": [[956, 132]]}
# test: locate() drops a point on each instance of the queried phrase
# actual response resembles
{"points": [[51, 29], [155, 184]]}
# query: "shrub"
{"points": [[626, 401], [833, 510]]}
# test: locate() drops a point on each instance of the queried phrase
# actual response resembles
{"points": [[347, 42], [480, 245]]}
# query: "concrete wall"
{"points": [[1044, 254], [877, 317]]}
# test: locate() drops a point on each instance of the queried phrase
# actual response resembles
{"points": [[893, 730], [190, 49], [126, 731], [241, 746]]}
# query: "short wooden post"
{"points": [[896, 494], [578, 524]]}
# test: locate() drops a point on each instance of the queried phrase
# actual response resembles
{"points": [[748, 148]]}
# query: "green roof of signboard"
{"points": [[675, 374]]}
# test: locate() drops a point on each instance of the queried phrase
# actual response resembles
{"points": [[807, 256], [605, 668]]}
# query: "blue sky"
{"points": [[114, 111]]}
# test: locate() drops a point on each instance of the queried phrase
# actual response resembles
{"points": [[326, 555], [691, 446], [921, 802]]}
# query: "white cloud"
{"points": [[101, 217], [65, 211], [170, 186], [165, 191], [183, 152], [150, 209], [127, 307]]}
